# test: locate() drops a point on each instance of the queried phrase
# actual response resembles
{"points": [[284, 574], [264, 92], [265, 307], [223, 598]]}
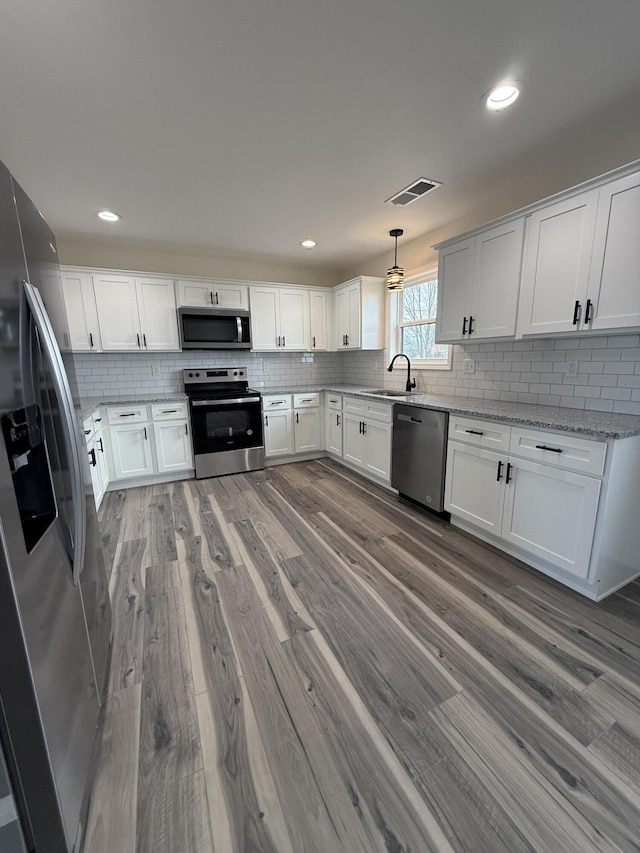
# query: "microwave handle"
{"points": [[239, 323]]}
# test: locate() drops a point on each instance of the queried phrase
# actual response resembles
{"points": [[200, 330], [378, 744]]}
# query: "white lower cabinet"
{"points": [[291, 424], [333, 423], [551, 513], [278, 436], [558, 501], [173, 446], [472, 490], [366, 436], [147, 441], [131, 450]]}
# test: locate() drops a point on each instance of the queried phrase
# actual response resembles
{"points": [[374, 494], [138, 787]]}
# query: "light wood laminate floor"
{"points": [[302, 664]]}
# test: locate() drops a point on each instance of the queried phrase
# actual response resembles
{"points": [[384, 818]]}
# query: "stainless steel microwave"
{"points": [[214, 328]]}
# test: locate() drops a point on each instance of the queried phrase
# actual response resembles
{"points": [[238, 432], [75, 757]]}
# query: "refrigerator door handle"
{"points": [[65, 400]]}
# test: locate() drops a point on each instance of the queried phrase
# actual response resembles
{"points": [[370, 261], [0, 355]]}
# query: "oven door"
{"points": [[227, 424]]}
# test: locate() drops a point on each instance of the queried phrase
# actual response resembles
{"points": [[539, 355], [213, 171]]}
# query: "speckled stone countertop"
{"points": [[584, 422], [90, 404]]}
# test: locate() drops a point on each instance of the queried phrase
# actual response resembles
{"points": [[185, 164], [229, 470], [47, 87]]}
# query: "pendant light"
{"points": [[395, 275]]}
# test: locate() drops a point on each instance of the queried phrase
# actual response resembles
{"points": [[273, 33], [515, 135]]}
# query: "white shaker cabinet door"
{"points": [[318, 315], [378, 449], [294, 319], [306, 430], [82, 314], [117, 305], [131, 451], [158, 315], [278, 436], [353, 445], [455, 271], [555, 269], [334, 432], [551, 513], [354, 326], [473, 491], [173, 446], [496, 281], [265, 319], [614, 285]]}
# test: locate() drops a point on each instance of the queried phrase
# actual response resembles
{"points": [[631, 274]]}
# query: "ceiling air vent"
{"points": [[413, 192]]}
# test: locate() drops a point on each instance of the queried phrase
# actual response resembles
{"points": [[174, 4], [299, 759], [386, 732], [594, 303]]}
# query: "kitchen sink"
{"points": [[385, 392]]}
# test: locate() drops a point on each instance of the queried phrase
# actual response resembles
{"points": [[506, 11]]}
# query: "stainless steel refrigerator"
{"points": [[55, 617]]}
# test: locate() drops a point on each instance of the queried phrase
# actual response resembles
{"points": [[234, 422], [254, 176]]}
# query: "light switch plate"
{"points": [[469, 365]]}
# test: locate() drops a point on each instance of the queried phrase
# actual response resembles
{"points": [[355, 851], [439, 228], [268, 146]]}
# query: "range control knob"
{"points": [[197, 374], [235, 372], [191, 375], [242, 373]]}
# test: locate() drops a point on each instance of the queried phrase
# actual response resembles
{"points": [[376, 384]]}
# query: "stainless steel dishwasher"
{"points": [[419, 451]]}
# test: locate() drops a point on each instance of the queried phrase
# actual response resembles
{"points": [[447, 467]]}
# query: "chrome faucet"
{"points": [[410, 385]]}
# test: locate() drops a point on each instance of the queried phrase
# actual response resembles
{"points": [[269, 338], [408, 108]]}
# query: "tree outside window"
{"points": [[417, 309]]}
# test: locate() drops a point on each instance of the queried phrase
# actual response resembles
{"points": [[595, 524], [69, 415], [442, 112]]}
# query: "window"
{"points": [[415, 322]]}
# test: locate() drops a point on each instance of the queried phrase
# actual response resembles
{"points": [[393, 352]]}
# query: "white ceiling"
{"points": [[245, 125]]}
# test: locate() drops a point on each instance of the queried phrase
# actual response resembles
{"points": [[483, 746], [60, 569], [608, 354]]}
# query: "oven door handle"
{"points": [[225, 402]]}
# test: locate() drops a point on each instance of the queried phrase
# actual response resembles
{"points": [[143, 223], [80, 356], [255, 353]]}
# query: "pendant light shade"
{"points": [[395, 275]]}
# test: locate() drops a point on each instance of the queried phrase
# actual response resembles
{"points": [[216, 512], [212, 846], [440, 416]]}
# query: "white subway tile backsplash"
{"points": [[533, 371]]}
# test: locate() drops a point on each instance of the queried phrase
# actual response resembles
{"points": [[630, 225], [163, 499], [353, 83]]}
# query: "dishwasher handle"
{"points": [[408, 419]]}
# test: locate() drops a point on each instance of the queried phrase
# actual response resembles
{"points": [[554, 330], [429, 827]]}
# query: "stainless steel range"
{"points": [[226, 421]]}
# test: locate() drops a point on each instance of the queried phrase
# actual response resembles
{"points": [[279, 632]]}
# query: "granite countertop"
{"points": [[601, 425], [90, 404]]}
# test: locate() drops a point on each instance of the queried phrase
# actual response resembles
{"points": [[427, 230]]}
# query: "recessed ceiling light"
{"points": [[503, 96], [109, 216], [308, 243]]}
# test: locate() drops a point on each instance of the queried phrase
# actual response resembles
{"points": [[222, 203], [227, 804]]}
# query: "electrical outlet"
{"points": [[572, 368], [469, 365], [155, 370]]}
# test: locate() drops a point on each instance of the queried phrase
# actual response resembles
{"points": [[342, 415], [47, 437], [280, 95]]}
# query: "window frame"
{"points": [[428, 273]]}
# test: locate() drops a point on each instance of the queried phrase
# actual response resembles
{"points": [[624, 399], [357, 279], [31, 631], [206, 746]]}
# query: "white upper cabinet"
{"points": [[359, 312], [213, 294], [82, 314], [557, 257], [496, 281], [455, 271], [158, 317], [478, 282], [136, 313], [319, 318], [279, 318], [117, 312], [614, 281]]}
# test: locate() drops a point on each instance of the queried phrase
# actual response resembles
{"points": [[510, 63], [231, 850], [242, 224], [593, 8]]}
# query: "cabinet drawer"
{"points": [[305, 401], [374, 411], [334, 401], [487, 434], [562, 450], [276, 402], [169, 411], [353, 405], [127, 414]]}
